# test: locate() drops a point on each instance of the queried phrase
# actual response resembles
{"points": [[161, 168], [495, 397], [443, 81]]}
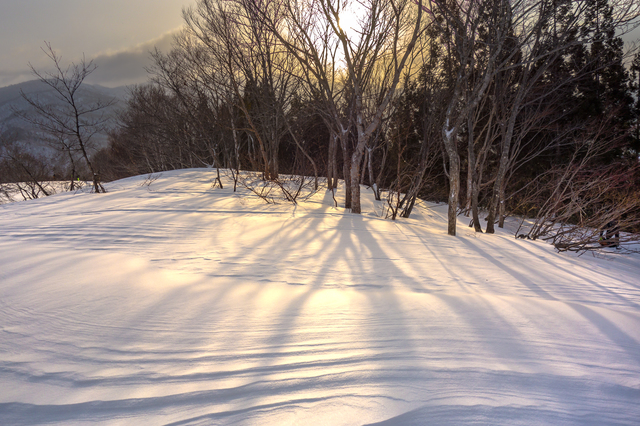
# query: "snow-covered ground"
{"points": [[176, 303]]}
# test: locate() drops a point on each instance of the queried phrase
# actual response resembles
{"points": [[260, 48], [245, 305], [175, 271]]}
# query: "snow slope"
{"points": [[175, 303]]}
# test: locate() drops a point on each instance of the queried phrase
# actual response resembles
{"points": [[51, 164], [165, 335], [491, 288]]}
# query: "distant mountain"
{"points": [[13, 127]]}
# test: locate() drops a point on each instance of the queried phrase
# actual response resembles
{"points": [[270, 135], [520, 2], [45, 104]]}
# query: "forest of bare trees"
{"points": [[495, 107]]}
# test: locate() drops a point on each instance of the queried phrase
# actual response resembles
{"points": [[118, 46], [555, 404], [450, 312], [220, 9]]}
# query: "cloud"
{"points": [[119, 68], [127, 66]]}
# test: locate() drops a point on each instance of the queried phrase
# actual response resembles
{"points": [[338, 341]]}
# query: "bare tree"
{"points": [[559, 27], [302, 28], [366, 72], [476, 33], [71, 121], [22, 174], [578, 202], [507, 45], [239, 57]]}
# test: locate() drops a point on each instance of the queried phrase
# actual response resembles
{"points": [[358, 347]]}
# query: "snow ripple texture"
{"points": [[176, 303]]}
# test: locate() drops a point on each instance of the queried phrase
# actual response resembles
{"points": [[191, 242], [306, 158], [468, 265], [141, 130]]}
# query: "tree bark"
{"points": [[454, 193]]}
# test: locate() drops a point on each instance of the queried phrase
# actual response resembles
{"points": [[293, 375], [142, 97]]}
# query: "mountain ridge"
{"points": [[13, 128]]}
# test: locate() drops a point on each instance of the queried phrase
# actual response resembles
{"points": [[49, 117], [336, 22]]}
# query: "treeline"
{"points": [[521, 106]]}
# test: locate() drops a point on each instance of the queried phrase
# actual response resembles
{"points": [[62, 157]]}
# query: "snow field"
{"points": [[176, 303]]}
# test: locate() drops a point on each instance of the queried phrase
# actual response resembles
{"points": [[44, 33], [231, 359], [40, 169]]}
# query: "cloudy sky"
{"points": [[117, 33]]}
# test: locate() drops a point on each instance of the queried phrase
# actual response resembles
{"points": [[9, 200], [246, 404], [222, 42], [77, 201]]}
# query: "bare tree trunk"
{"points": [[73, 171], [236, 149], [348, 194], [454, 185], [364, 164], [500, 176], [372, 181], [470, 162], [467, 204], [332, 167], [502, 208], [356, 162], [473, 184]]}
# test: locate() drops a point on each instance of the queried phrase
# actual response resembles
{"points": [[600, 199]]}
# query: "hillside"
{"points": [[14, 127], [168, 301]]}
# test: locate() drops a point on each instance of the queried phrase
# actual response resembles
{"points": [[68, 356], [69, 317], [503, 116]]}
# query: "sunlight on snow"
{"points": [[182, 303]]}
